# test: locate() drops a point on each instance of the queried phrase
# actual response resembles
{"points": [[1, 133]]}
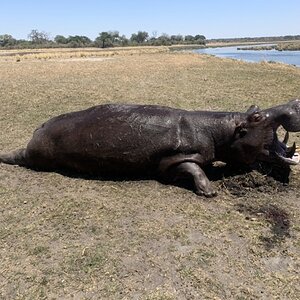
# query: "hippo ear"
{"points": [[256, 118], [287, 115], [252, 120], [252, 109]]}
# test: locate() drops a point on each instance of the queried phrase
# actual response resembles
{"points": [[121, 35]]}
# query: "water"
{"points": [[287, 57]]}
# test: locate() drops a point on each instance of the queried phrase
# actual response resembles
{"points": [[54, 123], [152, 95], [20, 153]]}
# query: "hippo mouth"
{"points": [[279, 153], [288, 116]]}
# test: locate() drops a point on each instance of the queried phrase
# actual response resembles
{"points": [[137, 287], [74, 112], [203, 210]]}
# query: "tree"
{"points": [[176, 38], [84, 40], [123, 41], [115, 37], [104, 39], [200, 39], [7, 40], [78, 40], [38, 37], [60, 39], [189, 38], [140, 37], [163, 40]]}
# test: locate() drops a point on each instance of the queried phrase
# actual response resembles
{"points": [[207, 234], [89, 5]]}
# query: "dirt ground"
{"points": [[72, 238]]}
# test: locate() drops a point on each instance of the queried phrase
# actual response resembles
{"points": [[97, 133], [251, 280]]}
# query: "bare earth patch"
{"points": [[73, 238]]}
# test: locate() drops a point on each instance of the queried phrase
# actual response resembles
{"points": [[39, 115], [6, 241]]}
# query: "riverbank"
{"points": [[269, 55], [288, 46], [69, 237], [69, 53]]}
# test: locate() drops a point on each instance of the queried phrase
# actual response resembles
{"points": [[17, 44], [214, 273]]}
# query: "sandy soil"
{"points": [[74, 238]]}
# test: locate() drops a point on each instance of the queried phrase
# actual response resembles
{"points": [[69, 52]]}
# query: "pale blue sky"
{"points": [[214, 19]]}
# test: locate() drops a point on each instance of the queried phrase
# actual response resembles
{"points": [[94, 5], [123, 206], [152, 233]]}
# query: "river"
{"points": [[287, 57]]}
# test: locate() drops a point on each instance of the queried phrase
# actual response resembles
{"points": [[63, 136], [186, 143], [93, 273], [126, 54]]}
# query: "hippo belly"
{"points": [[107, 139]]}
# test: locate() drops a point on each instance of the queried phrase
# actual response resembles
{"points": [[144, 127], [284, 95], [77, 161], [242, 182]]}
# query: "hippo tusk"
{"points": [[287, 160]]}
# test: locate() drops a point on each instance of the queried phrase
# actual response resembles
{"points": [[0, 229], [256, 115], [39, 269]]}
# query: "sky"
{"points": [[211, 18]]}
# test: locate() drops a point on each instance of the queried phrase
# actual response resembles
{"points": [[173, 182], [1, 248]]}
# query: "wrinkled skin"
{"points": [[140, 140]]}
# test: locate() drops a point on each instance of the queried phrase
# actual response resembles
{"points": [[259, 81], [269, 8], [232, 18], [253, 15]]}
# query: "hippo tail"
{"points": [[16, 157]]}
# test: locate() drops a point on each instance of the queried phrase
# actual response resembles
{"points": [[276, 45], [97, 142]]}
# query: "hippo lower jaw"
{"points": [[279, 153], [288, 116]]}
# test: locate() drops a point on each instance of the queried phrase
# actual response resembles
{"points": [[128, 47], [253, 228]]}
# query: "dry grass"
{"points": [[283, 46], [67, 53], [70, 238], [291, 46]]}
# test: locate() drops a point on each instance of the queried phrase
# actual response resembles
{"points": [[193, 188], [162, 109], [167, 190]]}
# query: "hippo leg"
{"points": [[188, 167], [202, 184], [16, 157]]}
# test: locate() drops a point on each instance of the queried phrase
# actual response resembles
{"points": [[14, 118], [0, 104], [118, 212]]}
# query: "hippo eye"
{"points": [[242, 133]]}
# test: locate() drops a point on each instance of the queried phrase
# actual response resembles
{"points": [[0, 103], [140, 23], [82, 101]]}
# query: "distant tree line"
{"points": [[257, 39], [105, 39]]}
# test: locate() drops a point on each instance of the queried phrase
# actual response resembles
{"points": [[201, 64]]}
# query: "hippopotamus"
{"points": [[159, 141]]}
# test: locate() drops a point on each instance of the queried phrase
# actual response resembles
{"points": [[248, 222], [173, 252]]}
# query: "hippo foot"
{"points": [[193, 171], [209, 194]]}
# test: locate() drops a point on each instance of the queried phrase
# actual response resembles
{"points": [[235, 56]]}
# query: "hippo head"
{"points": [[256, 137], [252, 137]]}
